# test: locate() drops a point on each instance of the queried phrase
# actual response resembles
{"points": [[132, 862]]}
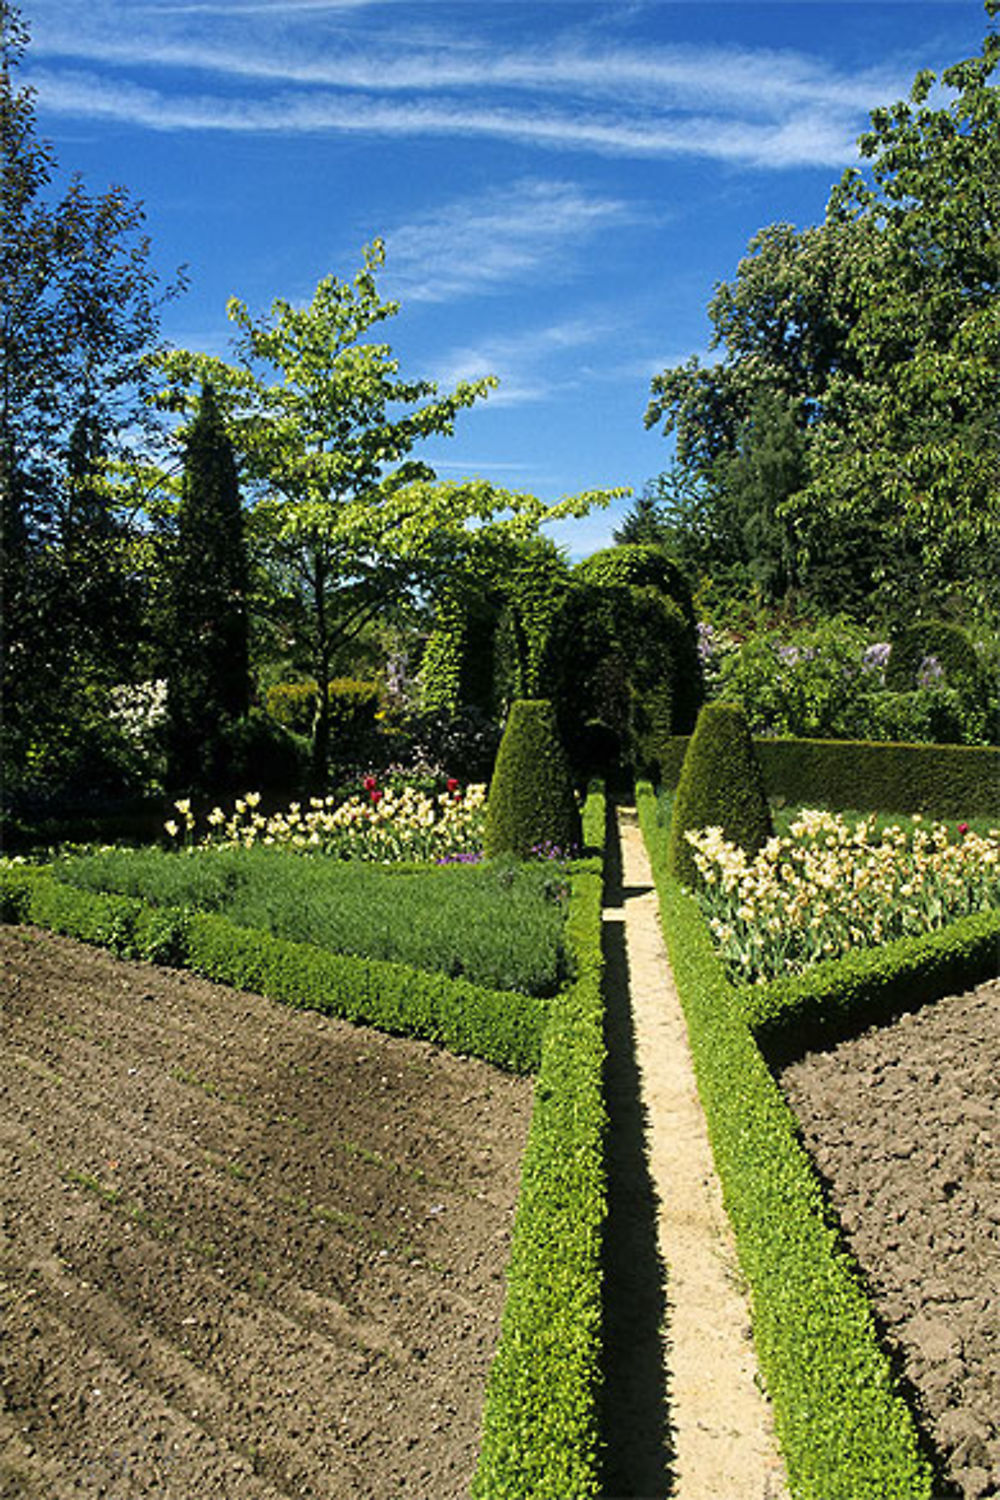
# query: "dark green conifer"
{"points": [[531, 804], [207, 637], [721, 786]]}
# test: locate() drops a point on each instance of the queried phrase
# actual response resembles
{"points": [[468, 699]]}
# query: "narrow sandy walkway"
{"points": [[717, 1438]]}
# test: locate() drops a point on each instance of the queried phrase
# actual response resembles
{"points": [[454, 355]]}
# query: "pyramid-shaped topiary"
{"points": [[531, 803], [721, 786]]}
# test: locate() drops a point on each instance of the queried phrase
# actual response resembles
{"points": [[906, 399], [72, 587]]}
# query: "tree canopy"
{"points": [[79, 312], [845, 448], [324, 427]]}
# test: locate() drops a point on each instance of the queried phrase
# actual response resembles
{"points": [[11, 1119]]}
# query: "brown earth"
{"points": [[902, 1122], [246, 1252]]}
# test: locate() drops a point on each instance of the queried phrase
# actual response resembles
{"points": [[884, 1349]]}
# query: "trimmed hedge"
{"points": [[945, 780], [531, 802], [541, 1430], [872, 983], [845, 1431], [500, 1027], [720, 786]]}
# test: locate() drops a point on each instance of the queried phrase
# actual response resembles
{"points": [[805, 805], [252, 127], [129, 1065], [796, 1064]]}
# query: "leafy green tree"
{"points": [[347, 520], [78, 313], [846, 445], [206, 655]]}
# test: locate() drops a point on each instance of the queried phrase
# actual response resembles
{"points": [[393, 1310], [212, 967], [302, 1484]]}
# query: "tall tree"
{"points": [[877, 333], [205, 649], [346, 517], [78, 314]]}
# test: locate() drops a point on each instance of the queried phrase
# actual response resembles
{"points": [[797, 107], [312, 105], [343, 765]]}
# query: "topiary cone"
{"points": [[531, 800], [721, 786]]}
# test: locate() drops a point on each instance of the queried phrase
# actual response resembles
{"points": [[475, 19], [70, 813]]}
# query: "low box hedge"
{"points": [[945, 780], [869, 984], [541, 1429], [501, 1027], [845, 1431]]}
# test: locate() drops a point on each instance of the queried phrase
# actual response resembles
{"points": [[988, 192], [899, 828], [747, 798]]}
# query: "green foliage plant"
{"points": [[293, 705], [930, 647], [80, 312], [499, 926], [956, 781], [843, 447], [541, 1423], [531, 802], [843, 1426], [348, 523], [638, 565], [621, 667], [206, 620], [721, 786]]}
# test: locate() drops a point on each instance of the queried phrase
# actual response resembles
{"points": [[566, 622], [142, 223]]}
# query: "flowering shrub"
{"points": [[829, 681], [376, 824], [831, 886]]}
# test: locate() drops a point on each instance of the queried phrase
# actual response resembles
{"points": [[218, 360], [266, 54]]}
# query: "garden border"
{"points": [[498, 1026], [845, 1431], [541, 1420], [541, 1426], [958, 781]]}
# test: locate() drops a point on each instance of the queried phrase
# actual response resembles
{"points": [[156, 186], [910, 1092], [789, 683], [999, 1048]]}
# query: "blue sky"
{"points": [[560, 184]]}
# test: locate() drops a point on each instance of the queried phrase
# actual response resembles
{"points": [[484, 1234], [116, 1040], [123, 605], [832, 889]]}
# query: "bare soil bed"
{"points": [[245, 1252], [902, 1122]]}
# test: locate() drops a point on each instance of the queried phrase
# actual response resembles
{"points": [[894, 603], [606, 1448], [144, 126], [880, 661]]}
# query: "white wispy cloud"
{"points": [[809, 139], [505, 235], [295, 67], [532, 363]]}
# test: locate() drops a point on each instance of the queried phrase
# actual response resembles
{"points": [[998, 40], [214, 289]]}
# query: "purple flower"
{"points": [[876, 657], [930, 671]]}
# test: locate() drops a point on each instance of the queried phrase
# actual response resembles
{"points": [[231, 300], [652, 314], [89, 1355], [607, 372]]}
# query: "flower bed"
{"points": [[378, 823], [831, 887]]}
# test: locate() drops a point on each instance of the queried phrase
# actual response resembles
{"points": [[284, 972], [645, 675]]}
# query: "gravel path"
{"points": [[697, 1360]]}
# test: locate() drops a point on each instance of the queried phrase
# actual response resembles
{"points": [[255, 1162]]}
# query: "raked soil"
{"points": [[245, 1252], [903, 1122]]}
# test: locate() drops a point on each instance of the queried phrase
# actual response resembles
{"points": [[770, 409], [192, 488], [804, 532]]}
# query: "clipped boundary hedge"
{"points": [[845, 1431], [871, 983], [500, 1027], [946, 780], [541, 1429]]}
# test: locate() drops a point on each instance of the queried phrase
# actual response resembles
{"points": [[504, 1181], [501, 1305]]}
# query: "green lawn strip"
{"points": [[540, 1426], [845, 1432], [501, 1027]]}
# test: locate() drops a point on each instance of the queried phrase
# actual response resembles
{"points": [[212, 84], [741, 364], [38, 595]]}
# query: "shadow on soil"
{"points": [[634, 1418]]}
